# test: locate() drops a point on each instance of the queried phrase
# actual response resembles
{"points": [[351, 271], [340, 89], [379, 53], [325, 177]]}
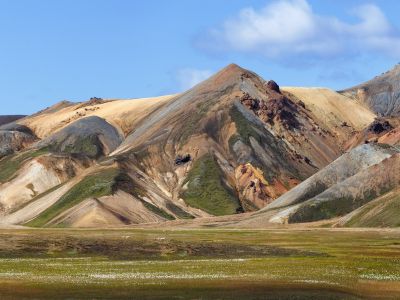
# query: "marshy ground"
{"points": [[199, 264]]}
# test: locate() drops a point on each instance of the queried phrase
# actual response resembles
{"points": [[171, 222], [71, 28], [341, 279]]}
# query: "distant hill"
{"points": [[381, 94], [9, 119]]}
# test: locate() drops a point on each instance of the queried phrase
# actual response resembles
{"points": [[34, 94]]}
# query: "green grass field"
{"points": [[199, 264]]}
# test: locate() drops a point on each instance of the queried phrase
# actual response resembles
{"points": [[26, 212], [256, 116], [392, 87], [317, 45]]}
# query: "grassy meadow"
{"points": [[199, 264]]}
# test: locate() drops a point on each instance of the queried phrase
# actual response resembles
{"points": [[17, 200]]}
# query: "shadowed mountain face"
{"points": [[234, 143], [381, 94]]}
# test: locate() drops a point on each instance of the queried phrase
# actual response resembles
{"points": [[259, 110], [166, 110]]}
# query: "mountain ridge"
{"points": [[233, 143]]}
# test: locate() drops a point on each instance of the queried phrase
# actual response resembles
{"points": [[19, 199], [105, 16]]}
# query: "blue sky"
{"points": [[76, 49]]}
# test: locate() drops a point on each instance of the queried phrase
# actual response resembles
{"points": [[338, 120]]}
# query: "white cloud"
{"points": [[290, 28], [188, 78]]}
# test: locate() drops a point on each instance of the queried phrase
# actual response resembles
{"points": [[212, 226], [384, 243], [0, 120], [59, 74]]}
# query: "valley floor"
{"points": [[138, 263]]}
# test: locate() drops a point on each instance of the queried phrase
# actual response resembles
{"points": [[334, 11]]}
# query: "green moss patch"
{"points": [[206, 190], [158, 211]]}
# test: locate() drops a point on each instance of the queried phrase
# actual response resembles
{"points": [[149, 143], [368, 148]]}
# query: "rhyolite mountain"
{"points": [[380, 94], [232, 144]]}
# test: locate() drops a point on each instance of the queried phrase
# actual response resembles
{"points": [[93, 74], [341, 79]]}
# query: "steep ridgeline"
{"points": [[381, 94], [234, 143]]}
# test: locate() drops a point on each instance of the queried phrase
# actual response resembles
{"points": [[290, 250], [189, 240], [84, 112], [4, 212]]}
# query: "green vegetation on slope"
{"points": [[314, 211], [9, 165], [158, 211], [206, 189], [94, 185], [89, 146], [178, 211], [382, 212], [244, 128]]}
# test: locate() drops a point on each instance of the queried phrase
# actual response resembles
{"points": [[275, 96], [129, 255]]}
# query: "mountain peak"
{"points": [[232, 69], [228, 75]]}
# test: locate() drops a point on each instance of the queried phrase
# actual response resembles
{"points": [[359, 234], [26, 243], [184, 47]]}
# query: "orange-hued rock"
{"points": [[254, 190], [392, 137]]}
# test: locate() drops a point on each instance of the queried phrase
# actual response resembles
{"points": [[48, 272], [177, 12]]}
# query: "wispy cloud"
{"points": [[291, 29], [189, 77]]}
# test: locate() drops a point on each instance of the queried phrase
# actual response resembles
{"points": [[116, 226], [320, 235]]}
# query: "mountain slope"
{"points": [[122, 114], [378, 131], [349, 182], [381, 94], [239, 119], [232, 144], [381, 212], [14, 137], [91, 136]]}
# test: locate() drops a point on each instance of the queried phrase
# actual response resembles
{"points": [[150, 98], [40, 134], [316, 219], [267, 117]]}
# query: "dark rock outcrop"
{"points": [[379, 126], [182, 159], [272, 85]]}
